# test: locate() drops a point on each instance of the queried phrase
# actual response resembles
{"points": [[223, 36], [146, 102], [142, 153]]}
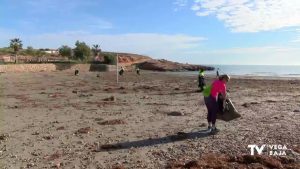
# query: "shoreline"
{"points": [[210, 75]]}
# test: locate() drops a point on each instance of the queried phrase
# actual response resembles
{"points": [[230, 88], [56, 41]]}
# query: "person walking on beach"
{"points": [[201, 81], [121, 72], [137, 71], [211, 94], [218, 73]]}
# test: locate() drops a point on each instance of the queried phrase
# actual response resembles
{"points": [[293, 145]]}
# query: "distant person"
{"points": [[218, 73], [137, 71], [211, 94], [201, 80], [122, 70], [76, 72]]}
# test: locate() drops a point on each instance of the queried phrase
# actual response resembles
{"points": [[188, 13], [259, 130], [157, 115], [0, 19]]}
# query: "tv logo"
{"points": [[272, 150], [258, 149]]}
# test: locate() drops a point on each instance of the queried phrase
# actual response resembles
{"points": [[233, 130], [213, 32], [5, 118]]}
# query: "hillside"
{"points": [[147, 63]]}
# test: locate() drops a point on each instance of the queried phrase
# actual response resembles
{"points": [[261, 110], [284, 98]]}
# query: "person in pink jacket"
{"points": [[211, 101]]}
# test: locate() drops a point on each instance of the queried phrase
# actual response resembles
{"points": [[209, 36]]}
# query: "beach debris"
{"points": [[54, 156], [238, 161], [112, 122], [108, 89], [57, 165], [4, 137], [98, 119], [110, 146], [85, 95], [296, 111], [85, 130], [248, 104], [60, 128], [177, 88], [48, 137], [175, 113], [122, 88], [74, 91], [203, 125], [145, 97], [118, 167], [13, 107], [76, 72], [29, 165], [98, 75], [271, 101], [111, 98], [35, 133]]}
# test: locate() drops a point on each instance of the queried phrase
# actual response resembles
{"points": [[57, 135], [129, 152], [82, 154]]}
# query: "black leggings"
{"points": [[212, 109]]}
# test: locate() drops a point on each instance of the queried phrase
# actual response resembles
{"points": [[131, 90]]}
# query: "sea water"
{"points": [[253, 70]]}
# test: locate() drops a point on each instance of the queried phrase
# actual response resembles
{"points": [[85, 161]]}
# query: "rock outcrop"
{"points": [[165, 65]]}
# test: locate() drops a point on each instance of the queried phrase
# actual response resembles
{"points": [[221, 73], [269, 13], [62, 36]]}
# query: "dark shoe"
{"points": [[209, 128], [214, 130]]}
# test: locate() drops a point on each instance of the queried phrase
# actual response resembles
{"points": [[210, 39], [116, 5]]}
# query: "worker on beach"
{"points": [[201, 80], [211, 94], [137, 71], [122, 70]]}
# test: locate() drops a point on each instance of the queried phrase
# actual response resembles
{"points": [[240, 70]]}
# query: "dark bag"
{"points": [[226, 112]]}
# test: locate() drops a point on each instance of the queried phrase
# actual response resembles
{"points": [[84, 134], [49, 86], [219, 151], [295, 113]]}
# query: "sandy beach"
{"points": [[58, 120]]}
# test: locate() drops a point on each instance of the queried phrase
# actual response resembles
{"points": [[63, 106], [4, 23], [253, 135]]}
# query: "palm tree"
{"points": [[16, 44], [96, 49]]}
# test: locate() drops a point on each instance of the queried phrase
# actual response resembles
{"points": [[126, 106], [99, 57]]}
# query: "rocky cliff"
{"points": [[147, 63]]}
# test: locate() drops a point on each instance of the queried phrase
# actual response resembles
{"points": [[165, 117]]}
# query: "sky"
{"points": [[247, 32]]}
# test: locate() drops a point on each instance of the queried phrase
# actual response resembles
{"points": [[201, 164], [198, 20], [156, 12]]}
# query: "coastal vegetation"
{"points": [[81, 53]]}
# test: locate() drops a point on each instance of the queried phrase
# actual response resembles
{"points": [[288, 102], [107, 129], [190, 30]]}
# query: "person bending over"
{"points": [[211, 94]]}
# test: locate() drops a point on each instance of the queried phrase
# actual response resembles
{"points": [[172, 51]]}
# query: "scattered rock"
{"points": [[296, 111], [122, 88], [74, 91], [177, 88], [175, 113]]}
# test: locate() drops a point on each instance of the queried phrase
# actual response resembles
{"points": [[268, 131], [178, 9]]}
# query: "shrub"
{"points": [[110, 58]]}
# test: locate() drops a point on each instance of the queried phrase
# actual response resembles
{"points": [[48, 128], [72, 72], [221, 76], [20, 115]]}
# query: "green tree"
{"points": [[16, 45], [82, 51], [96, 49], [65, 51]]}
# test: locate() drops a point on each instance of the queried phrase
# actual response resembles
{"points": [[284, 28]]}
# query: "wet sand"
{"points": [[60, 120]]}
